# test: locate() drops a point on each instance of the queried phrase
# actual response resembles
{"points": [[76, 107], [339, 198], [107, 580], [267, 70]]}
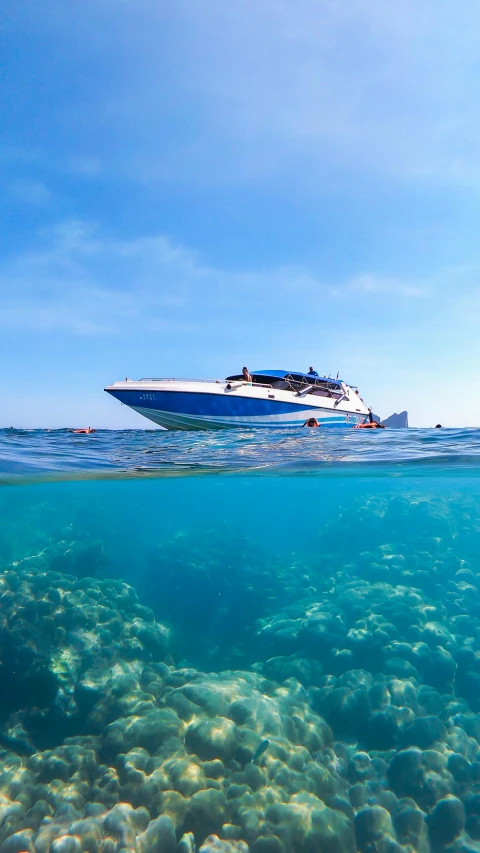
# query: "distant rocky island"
{"points": [[397, 421]]}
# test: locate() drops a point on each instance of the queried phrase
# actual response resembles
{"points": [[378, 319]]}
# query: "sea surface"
{"points": [[264, 640]]}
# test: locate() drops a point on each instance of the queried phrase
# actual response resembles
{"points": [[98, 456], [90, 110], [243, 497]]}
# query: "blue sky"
{"points": [[189, 187]]}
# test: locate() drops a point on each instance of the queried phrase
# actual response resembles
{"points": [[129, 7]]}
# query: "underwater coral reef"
{"points": [[340, 712]]}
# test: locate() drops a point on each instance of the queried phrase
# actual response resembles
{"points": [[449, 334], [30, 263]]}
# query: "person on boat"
{"points": [[370, 415], [311, 422], [312, 372], [246, 375]]}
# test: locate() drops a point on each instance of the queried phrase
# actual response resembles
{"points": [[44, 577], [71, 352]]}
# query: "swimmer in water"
{"points": [[311, 422]]}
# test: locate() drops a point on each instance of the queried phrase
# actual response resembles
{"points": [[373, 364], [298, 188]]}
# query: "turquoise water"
{"points": [[236, 640]]}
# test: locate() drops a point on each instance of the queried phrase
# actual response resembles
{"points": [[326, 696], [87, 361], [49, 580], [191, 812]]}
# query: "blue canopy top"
{"points": [[281, 374]]}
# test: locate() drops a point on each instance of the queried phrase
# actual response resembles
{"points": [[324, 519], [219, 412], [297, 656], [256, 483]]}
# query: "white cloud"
{"points": [[374, 284], [81, 281]]}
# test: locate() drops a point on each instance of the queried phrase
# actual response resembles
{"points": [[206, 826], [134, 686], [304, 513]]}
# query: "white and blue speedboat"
{"points": [[274, 398]]}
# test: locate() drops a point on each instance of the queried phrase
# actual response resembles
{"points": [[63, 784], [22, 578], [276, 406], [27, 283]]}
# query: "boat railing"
{"points": [[297, 388], [313, 386], [237, 382], [172, 379]]}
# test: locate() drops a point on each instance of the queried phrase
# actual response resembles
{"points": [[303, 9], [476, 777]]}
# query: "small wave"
{"points": [[110, 453]]}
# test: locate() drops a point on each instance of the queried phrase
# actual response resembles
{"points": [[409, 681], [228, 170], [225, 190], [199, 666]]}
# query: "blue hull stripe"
{"points": [[210, 405], [193, 411]]}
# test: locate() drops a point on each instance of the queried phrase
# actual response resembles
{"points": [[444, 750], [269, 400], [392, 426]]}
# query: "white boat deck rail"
{"points": [[236, 382]]}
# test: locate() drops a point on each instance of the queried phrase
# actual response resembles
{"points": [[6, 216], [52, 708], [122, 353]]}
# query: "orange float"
{"points": [[373, 425]]}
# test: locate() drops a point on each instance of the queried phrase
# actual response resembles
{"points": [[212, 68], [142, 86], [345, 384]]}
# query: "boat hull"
{"points": [[218, 409]]}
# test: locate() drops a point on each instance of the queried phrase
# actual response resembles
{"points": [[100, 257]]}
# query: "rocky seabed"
{"points": [[365, 683]]}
